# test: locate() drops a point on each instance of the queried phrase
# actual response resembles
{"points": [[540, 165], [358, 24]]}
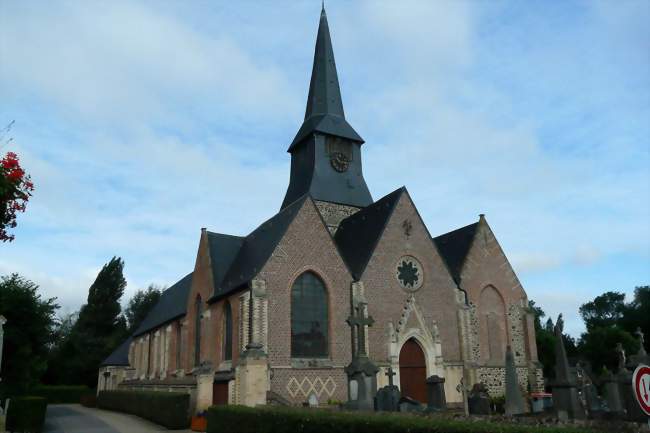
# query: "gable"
{"points": [[486, 264]]}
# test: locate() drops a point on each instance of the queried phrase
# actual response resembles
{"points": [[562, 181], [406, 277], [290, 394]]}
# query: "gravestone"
{"points": [[436, 393], [407, 404], [514, 401], [362, 372], [612, 394], [388, 397], [313, 400], [594, 404], [479, 400], [565, 391]]}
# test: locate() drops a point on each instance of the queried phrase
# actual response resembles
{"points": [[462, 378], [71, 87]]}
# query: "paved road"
{"points": [[73, 418], [68, 419]]}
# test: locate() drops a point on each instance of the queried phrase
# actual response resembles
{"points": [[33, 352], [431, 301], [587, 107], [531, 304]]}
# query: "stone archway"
{"points": [[413, 371]]}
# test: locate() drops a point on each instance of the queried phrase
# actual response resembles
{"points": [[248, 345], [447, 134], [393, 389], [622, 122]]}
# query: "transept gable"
{"points": [[486, 264], [404, 232], [308, 224]]}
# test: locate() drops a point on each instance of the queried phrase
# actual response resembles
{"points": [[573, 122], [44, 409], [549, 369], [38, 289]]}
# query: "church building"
{"points": [[266, 318]]}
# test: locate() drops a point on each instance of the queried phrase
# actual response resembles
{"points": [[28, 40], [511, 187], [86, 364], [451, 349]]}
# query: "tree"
{"points": [[140, 305], [637, 313], [605, 310], [28, 334], [544, 338], [98, 330], [15, 189], [597, 346]]}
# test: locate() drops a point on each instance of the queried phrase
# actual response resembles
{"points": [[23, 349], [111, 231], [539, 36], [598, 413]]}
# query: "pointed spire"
{"points": [[324, 111], [324, 93]]}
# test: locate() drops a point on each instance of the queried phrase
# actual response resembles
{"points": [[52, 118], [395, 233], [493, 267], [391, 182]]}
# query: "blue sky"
{"points": [[142, 122]]}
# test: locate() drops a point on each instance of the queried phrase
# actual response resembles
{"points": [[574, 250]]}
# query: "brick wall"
{"points": [[307, 246], [436, 298]]}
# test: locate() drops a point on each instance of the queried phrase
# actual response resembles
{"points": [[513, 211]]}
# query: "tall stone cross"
{"points": [[390, 373], [2, 322], [360, 321]]}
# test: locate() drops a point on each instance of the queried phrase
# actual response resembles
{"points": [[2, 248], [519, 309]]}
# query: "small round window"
{"points": [[409, 273]]}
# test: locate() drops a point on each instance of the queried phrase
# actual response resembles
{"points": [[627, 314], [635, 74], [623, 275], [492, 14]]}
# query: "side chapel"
{"points": [[263, 318]]}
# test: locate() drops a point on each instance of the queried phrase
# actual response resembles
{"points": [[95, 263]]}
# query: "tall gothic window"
{"points": [[197, 332], [227, 332], [309, 325]]}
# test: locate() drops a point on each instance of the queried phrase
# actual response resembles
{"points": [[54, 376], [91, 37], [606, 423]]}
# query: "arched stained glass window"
{"points": [[309, 325], [197, 331], [227, 332]]}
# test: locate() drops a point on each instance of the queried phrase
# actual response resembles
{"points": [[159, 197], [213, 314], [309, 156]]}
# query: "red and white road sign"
{"points": [[641, 385]]}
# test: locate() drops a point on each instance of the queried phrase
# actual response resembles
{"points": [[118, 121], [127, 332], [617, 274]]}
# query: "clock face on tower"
{"points": [[340, 153], [339, 161]]}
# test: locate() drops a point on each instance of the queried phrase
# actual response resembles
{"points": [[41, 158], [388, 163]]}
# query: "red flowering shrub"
{"points": [[15, 189]]}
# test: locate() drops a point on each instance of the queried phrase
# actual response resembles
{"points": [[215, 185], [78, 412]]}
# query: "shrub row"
{"points": [[57, 394], [239, 419], [169, 409], [26, 414]]}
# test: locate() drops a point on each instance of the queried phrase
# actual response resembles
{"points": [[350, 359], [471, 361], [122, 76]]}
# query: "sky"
{"points": [[142, 121]]}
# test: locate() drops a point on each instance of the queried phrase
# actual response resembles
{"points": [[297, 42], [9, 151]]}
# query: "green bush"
{"points": [[58, 394], [239, 419], [26, 414], [169, 409]]}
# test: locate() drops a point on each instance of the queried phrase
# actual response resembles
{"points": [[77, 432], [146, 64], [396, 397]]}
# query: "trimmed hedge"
{"points": [[169, 409], [26, 414], [57, 394], [240, 419]]}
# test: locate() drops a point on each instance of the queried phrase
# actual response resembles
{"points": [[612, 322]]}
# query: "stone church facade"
{"points": [[262, 318]]}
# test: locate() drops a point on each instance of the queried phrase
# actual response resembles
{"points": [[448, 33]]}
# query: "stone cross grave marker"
{"points": [[360, 321], [390, 373]]}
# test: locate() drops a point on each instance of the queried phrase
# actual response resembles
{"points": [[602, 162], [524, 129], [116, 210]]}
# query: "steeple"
{"points": [[324, 112], [326, 152]]}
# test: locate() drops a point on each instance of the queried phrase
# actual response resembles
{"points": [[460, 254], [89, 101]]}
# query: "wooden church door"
{"points": [[220, 393], [413, 371]]}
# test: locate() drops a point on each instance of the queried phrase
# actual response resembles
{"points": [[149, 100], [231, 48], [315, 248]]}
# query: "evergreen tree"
{"points": [[99, 329]]}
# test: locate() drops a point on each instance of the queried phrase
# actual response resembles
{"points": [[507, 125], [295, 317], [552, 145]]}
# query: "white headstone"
{"points": [[313, 401], [354, 390]]}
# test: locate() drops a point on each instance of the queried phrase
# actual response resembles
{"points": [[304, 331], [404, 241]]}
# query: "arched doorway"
{"points": [[413, 371]]}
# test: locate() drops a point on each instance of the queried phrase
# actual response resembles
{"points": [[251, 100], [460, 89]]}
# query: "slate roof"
{"points": [[256, 249], [358, 234], [223, 251], [172, 304], [120, 356], [324, 112], [454, 246]]}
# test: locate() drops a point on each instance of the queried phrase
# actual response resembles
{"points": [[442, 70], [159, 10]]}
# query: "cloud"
{"points": [[142, 122]]}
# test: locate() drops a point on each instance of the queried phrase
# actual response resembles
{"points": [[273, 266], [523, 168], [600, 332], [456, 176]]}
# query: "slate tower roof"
{"points": [[326, 151]]}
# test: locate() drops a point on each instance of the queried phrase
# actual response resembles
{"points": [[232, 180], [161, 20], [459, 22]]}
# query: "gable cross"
{"points": [[360, 321]]}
